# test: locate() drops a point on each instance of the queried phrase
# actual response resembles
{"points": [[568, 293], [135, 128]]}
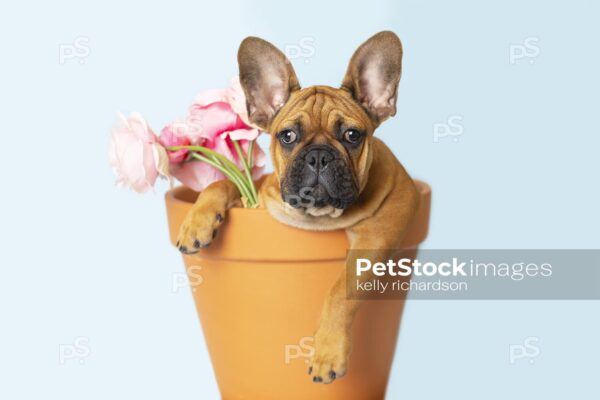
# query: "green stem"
{"points": [[241, 182], [247, 169], [238, 179], [203, 150], [250, 152], [244, 184], [232, 177]]}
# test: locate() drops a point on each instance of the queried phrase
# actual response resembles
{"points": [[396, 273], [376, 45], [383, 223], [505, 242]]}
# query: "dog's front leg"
{"points": [[333, 337], [375, 238], [208, 213]]}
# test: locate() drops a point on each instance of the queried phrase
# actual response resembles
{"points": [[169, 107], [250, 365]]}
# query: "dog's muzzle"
{"points": [[319, 177]]}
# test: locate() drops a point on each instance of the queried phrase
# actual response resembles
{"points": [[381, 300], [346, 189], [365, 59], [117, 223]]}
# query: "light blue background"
{"points": [[81, 258]]}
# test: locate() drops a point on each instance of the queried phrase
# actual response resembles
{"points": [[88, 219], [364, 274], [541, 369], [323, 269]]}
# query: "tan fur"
{"points": [[388, 198]]}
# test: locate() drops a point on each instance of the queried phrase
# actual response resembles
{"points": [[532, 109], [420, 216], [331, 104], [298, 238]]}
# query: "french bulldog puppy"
{"points": [[330, 172]]}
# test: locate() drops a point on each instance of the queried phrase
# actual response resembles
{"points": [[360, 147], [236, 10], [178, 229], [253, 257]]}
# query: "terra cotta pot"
{"points": [[259, 289]]}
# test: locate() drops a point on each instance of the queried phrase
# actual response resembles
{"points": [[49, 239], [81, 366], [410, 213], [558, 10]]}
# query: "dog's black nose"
{"points": [[318, 158]]}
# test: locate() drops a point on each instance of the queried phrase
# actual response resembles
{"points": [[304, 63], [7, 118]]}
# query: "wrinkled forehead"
{"points": [[321, 110]]}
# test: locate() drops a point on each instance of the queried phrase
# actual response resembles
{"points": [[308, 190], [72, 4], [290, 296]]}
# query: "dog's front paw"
{"points": [[330, 358], [199, 227]]}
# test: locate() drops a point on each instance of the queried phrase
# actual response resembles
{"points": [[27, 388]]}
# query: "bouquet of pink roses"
{"points": [[213, 142]]}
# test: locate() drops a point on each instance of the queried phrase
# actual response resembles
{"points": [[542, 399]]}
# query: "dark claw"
{"points": [[177, 244], [309, 370], [184, 250], [197, 244], [332, 375], [219, 218], [214, 233], [317, 379]]}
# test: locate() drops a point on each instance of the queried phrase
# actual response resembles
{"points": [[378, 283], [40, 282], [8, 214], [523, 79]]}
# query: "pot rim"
{"points": [[276, 241]]}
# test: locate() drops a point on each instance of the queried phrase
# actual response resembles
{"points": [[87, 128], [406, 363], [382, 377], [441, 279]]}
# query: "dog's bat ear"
{"points": [[267, 78], [374, 73]]}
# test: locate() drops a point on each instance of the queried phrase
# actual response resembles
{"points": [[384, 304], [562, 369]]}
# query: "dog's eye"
{"points": [[352, 136], [288, 136]]}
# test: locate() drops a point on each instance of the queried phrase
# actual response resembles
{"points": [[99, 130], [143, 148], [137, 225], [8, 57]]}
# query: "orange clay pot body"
{"points": [[259, 289]]}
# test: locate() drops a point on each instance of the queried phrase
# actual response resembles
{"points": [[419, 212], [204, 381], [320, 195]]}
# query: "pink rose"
{"points": [[204, 122], [173, 135], [198, 175], [233, 95], [132, 153], [215, 119]]}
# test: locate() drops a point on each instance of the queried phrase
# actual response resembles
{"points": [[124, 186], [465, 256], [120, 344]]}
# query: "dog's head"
{"points": [[321, 136]]}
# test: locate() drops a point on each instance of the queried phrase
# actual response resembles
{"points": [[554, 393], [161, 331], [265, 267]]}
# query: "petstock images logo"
{"points": [[474, 274]]}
